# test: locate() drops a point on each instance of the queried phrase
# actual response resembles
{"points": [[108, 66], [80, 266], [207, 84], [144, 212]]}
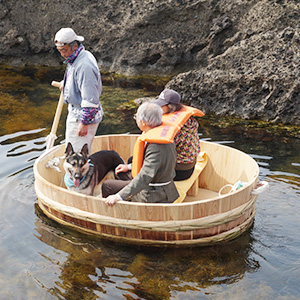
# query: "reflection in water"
{"points": [[19, 150], [93, 267]]}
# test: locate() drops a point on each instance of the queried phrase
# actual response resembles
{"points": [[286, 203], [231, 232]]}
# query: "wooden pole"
{"points": [[52, 136]]}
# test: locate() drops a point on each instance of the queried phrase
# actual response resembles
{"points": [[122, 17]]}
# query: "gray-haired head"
{"points": [[150, 113]]}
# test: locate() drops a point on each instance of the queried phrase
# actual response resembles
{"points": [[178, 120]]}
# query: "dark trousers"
{"points": [[113, 186], [183, 174]]}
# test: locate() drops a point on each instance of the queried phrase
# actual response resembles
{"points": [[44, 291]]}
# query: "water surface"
{"points": [[43, 260]]}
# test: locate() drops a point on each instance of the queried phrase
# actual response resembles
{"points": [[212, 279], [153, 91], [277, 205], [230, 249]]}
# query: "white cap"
{"points": [[66, 36]]}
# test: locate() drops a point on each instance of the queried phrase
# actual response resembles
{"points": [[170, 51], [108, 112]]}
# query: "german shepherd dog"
{"points": [[84, 173]]}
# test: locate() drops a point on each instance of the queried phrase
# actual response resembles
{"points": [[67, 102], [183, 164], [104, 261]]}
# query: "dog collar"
{"points": [[69, 182]]}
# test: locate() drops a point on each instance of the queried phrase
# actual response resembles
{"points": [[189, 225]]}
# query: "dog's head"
{"points": [[76, 163]]}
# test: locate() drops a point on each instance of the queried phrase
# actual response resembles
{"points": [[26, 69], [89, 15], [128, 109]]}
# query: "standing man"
{"points": [[81, 88]]}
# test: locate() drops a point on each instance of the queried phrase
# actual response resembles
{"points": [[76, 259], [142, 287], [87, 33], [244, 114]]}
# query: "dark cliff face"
{"points": [[228, 57], [129, 37]]}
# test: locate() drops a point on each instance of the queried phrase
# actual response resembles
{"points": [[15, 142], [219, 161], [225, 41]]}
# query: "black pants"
{"points": [[183, 174]]}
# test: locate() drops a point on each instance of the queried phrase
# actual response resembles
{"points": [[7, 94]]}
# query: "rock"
{"points": [[228, 57]]}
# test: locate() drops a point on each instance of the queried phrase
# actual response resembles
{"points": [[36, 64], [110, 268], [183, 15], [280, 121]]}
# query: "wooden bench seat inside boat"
{"points": [[190, 186]]}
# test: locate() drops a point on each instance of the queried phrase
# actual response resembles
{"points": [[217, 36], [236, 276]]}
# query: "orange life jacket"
{"points": [[163, 134]]}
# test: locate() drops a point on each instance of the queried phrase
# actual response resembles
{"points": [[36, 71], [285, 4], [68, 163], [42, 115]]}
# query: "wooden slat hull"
{"points": [[197, 222]]}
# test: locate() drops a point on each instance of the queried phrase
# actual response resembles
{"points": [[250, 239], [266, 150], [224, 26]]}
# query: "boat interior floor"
{"points": [[203, 194]]}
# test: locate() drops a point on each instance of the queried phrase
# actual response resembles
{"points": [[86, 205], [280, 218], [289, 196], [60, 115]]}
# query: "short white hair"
{"points": [[150, 113]]}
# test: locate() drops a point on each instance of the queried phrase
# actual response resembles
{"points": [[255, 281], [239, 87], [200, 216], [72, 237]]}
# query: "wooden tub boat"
{"points": [[201, 217]]}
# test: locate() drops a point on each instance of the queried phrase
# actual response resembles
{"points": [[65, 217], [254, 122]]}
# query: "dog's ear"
{"points": [[85, 150], [69, 150]]}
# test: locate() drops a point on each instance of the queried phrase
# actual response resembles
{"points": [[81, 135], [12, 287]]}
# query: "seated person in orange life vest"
{"points": [[186, 140], [154, 182]]}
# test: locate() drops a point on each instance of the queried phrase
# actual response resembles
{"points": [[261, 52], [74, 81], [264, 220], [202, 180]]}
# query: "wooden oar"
{"points": [[52, 136]]}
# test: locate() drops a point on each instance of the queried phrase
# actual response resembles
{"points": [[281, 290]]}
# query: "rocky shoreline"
{"points": [[238, 58]]}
